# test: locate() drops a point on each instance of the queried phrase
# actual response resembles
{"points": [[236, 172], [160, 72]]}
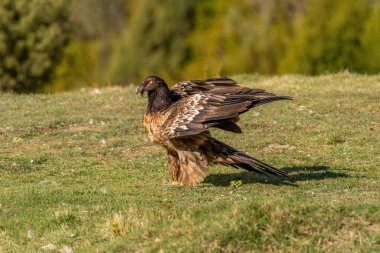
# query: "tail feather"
{"points": [[267, 100], [238, 104], [249, 163], [219, 152]]}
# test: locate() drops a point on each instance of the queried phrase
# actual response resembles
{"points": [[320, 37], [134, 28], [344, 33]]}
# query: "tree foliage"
{"points": [[246, 37], [96, 25], [121, 41], [211, 38], [370, 41], [155, 41], [33, 34], [328, 37]]}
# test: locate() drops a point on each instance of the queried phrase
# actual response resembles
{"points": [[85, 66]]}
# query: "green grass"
{"points": [[77, 170]]}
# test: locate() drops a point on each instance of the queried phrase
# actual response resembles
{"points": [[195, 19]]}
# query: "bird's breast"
{"points": [[153, 126]]}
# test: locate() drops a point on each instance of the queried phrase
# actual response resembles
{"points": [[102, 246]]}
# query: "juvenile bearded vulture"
{"points": [[178, 120]]}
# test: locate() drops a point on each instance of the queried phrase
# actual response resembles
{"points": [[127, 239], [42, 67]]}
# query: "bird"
{"points": [[179, 119]]}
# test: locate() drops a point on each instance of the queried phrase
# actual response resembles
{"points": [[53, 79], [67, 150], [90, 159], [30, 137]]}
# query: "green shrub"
{"points": [[327, 38], [155, 41], [248, 37], [370, 41], [33, 34], [79, 67]]}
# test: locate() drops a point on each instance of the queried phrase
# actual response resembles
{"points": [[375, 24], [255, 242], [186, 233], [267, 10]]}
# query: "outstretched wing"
{"points": [[220, 86], [216, 86], [196, 113]]}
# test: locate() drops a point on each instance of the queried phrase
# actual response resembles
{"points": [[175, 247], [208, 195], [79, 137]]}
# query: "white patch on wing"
{"points": [[191, 108], [183, 87]]}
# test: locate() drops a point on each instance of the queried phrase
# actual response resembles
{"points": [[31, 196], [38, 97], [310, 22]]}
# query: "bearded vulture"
{"points": [[179, 119]]}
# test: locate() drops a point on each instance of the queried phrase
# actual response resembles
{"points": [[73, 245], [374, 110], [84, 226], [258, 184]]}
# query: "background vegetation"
{"points": [[32, 38], [121, 41], [77, 171]]}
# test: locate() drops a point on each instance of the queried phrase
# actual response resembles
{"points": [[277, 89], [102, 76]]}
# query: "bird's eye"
{"points": [[150, 82]]}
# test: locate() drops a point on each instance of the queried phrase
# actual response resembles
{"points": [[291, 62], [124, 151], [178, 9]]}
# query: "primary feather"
{"points": [[179, 119]]}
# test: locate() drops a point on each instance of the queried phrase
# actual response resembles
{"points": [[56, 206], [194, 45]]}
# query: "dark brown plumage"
{"points": [[178, 119]]}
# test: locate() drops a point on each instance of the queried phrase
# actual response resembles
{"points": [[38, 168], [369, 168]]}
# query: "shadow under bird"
{"points": [[179, 119]]}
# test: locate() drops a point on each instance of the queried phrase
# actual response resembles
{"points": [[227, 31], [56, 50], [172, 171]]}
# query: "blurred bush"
{"points": [[248, 37], [121, 41], [155, 41], [33, 34], [199, 39], [370, 41], [96, 26], [327, 38], [78, 67]]}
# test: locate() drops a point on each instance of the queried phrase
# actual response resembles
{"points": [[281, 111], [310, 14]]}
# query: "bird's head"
{"points": [[150, 83]]}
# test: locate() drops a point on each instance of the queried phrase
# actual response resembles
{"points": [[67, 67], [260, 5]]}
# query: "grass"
{"points": [[77, 172]]}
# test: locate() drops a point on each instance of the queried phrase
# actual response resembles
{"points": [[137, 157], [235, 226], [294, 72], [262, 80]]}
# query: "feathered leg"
{"points": [[193, 168], [174, 166], [219, 152]]}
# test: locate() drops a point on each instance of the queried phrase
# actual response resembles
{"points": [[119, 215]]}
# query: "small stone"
{"points": [[301, 108], [166, 200], [49, 247], [96, 91], [30, 234], [17, 139], [256, 114], [104, 190], [310, 193], [67, 249], [45, 181], [53, 182]]}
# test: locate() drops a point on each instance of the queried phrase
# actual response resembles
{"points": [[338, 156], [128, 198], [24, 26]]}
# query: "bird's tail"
{"points": [[261, 97], [219, 152], [269, 99]]}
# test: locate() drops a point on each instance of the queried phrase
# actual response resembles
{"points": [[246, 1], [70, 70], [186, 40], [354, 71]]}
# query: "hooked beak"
{"points": [[140, 88]]}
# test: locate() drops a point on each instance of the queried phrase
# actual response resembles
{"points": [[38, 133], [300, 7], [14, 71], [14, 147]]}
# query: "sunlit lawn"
{"points": [[77, 172]]}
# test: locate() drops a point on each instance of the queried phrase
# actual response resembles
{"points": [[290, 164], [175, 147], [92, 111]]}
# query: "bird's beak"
{"points": [[140, 88]]}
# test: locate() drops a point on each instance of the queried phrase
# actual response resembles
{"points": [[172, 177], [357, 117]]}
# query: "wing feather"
{"points": [[195, 114], [216, 86], [211, 102], [219, 86]]}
